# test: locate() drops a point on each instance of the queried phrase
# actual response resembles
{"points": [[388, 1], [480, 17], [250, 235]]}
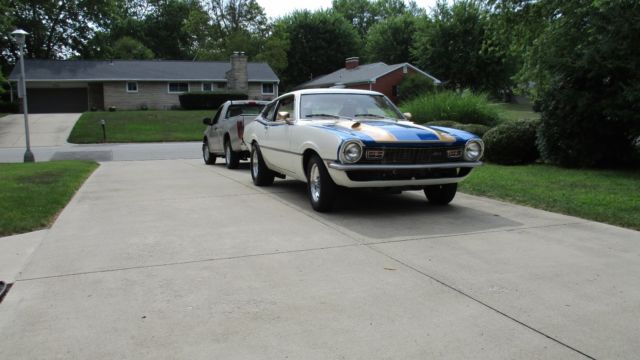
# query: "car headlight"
{"points": [[351, 151], [473, 150]]}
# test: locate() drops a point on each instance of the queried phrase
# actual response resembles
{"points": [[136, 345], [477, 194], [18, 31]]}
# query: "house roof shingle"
{"points": [[123, 70], [361, 74]]}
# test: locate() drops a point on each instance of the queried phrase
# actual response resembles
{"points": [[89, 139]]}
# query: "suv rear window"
{"points": [[244, 109]]}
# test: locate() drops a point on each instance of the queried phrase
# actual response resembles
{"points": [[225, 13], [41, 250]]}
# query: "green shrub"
{"points": [[464, 108], [414, 85], [9, 107], [208, 100], [589, 125], [512, 143], [477, 129], [445, 123]]}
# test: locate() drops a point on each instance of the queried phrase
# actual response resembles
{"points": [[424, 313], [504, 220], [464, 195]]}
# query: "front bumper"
{"points": [[388, 175]]}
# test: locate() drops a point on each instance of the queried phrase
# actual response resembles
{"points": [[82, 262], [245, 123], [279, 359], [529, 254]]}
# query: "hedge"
{"points": [[208, 100], [511, 143]]}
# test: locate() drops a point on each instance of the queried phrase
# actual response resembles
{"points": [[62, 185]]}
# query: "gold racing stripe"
{"points": [[442, 136], [375, 132]]}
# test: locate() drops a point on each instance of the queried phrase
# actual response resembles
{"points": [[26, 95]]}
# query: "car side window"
{"points": [[269, 112], [216, 118], [286, 105]]}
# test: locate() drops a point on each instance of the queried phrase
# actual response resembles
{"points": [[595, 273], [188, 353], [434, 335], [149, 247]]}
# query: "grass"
{"points": [[464, 108], [140, 126], [32, 194], [512, 112], [609, 196], [3, 114]]}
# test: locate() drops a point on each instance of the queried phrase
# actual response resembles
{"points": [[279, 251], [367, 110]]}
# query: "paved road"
{"points": [[108, 152], [175, 259], [44, 130]]}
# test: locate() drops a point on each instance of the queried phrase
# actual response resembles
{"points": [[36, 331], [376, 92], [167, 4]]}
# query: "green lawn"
{"points": [[32, 195], [608, 196], [140, 126], [510, 111]]}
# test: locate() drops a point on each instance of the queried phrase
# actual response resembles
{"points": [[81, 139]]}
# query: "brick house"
{"points": [[81, 85], [377, 77]]}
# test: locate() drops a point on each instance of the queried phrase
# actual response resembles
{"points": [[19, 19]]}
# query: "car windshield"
{"points": [[347, 106]]}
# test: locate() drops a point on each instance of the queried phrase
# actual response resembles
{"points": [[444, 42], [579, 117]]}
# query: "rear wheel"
{"points": [[208, 157], [320, 187], [232, 158], [441, 194], [260, 173]]}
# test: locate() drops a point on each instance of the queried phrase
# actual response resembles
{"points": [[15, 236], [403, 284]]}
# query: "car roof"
{"points": [[331, 91]]}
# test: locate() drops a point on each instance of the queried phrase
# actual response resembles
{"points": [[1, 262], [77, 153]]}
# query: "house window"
{"points": [[213, 86], [132, 87], [178, 87], [267, 89]]}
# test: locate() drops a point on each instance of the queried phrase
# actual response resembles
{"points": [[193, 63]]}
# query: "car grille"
{"points": [[410, 155]]}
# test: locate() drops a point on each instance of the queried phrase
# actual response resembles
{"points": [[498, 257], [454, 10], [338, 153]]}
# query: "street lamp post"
{"points": [[19, 36]]}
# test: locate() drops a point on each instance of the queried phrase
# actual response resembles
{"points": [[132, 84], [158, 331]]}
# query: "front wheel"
{"points": [[260, 173], [232, 158], [208, 157], [321, 188], [441, 194]]}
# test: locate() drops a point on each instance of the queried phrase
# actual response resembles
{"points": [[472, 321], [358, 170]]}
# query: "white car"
{"points": [[356, 139], [224, 131]]}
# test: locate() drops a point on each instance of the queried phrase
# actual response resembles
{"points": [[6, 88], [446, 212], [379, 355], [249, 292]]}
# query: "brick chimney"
{"points": [[351, 63], [238, 77]]}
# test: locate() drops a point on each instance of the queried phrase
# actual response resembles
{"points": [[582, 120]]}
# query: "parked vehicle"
{"points": [[223, 135], [356, 139]]}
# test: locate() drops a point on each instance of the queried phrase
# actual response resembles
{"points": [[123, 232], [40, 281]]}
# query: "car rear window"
{"points": [[244, 109]]}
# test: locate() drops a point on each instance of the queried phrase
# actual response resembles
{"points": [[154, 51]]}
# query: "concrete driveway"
{"points": [[175, 259], [44, 129]]}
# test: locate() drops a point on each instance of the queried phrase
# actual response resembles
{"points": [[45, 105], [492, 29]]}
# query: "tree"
{"points": [[318, 44], [56, 28], [164, 29], [455, 45], [588, 58], [128, 48], [390, 40], [363, 14]]}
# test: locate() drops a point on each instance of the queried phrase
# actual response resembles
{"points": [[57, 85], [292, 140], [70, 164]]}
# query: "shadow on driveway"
{"points": [[379, 216]]}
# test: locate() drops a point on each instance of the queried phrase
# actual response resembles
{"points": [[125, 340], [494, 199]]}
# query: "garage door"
{"points": [[70, 100]]}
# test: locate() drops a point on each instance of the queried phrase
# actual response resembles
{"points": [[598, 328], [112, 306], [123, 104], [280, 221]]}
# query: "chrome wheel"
{"points": [[314, 182]]}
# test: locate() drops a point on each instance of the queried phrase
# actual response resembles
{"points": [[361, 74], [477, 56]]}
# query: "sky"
{"points": [[277, 8]]}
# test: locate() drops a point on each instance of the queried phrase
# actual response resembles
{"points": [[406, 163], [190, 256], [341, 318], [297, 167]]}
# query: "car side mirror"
{"points": [[206, 121], [407, 115]]}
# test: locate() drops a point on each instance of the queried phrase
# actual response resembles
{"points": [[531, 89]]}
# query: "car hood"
{"points": [[390, 131]]}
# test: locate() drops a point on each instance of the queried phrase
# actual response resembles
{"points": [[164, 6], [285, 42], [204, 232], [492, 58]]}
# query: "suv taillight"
{"points": [[240, 125]]}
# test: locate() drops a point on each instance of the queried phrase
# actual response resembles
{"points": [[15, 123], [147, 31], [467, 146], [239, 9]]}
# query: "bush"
{"points": [[208, 100], [464, 108], [589, 125], [477, 129], [9, 107], [414, 85], [512, 143]]}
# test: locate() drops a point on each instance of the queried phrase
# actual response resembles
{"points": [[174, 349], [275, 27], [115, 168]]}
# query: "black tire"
{"points": [[260, 173], [320, 187], [207, 156], [441, 194], [232, 158]]}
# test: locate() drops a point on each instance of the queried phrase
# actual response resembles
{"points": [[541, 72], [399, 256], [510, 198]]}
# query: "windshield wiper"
{"points": [[327, 115], [370, 115]]}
